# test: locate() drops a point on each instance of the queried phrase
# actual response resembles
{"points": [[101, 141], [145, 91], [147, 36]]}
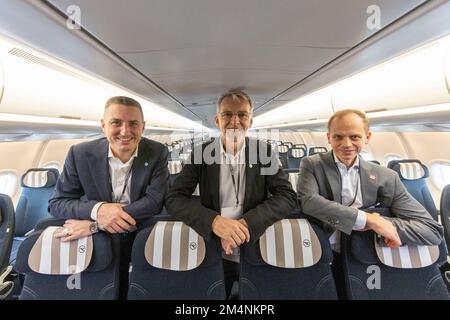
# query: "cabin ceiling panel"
{"points": [[241, 43]]}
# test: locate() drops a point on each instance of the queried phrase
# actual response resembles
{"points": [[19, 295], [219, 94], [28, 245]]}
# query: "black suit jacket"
{"points": [[260, 209], [85, 181]]}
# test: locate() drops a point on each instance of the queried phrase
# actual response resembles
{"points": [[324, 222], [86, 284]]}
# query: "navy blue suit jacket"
{"points": [[85, 181]]}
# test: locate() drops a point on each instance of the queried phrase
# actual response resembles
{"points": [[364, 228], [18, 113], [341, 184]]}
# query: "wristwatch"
{"points": [[93, 227]]}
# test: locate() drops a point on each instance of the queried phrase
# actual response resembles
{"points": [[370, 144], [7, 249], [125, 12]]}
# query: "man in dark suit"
{"points": [[113, 183], [334, 186], [235, 177]]}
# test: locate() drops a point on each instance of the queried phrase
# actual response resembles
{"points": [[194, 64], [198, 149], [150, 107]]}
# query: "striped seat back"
{"points": [[39, 178], [290, 243], [172, 245], [411, 170], [407, 256], [50, 255], [297, 152]]}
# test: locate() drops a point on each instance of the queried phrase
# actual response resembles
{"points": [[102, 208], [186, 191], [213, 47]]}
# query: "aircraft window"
{"points": [[8, 182], [392, 156], [52, 164], [366, 155], [440, 173]]}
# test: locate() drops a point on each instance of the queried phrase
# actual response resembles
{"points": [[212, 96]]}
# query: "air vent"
{"points": [[376, 110], [32, 58], [70, 117]]}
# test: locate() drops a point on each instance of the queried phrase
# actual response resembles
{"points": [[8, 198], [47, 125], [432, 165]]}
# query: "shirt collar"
{"points": [[224, 153], [340, 164], [112, 156]]}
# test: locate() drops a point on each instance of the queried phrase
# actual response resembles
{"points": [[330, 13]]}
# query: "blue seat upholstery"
{"points": [[147, 282], [413, 174], [283, 155], [314, 150], [7, 220], [295, 155], [366, 278], [37, 187], [445, 213], [261, 281], [99, 281]]}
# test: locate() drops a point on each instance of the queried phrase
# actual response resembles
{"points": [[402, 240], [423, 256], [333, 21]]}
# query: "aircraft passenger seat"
{"points": [[295, 155], [38, 185], [413, 174], [372, 270], [7, 220], [83, 269], [171, 261], [290, 261], [445, 213]]}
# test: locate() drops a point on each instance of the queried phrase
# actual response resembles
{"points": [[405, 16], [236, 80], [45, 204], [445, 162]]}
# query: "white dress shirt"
{"points": [[228, 204], [118, 171], [351, 196]]}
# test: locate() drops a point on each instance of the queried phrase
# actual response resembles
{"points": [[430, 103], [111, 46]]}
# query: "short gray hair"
{"points": [[236, 95], [126, 101]]}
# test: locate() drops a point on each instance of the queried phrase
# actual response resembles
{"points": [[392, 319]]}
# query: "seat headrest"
{"points": [[410, 169], [40, 178], [172, 245], [297, 152], [406, 256], [41, 252], [50, 255], [175, 166], [283, 149], [290, 243]]}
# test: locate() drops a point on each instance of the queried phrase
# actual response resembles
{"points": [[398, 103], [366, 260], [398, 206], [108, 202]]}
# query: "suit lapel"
{"points": [[250, 175], [333, 176], [213, 176], [140, 165], [99, 170], [369, 184]]}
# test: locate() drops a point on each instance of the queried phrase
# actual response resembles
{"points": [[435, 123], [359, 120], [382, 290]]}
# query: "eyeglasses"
{"points": [[133, 124], [242, 115]]}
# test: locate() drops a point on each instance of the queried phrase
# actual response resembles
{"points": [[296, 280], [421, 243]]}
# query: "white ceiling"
{"points": [[186, 53]]}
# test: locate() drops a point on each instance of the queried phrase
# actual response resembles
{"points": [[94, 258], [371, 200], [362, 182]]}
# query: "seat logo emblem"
{"points": [[306, 243], [82, 249], [193, 245]]}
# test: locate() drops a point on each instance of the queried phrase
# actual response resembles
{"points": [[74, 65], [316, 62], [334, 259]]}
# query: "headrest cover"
{"points": [[411, 170], [50, 255], [283, 149], [172, 245], [407, 256], [38, 178], [290, 243], [175, 166], [298, 152]]}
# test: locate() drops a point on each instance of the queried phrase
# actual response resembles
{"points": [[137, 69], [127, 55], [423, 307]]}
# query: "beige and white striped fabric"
{"points": [[407, 257], [50, 255], [411, 171], [35, 179], [283, 149], [175, 166], [172, 245], [298, 152], [290, 243]]}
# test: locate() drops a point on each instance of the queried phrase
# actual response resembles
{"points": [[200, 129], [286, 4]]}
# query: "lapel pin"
{"points": [[372, 177], [250, 166], [146, 164]]}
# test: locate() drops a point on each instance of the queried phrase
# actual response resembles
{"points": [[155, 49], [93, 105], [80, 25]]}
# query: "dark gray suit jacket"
{"points": [[260, 210], [86, 174], [319, 190]]}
